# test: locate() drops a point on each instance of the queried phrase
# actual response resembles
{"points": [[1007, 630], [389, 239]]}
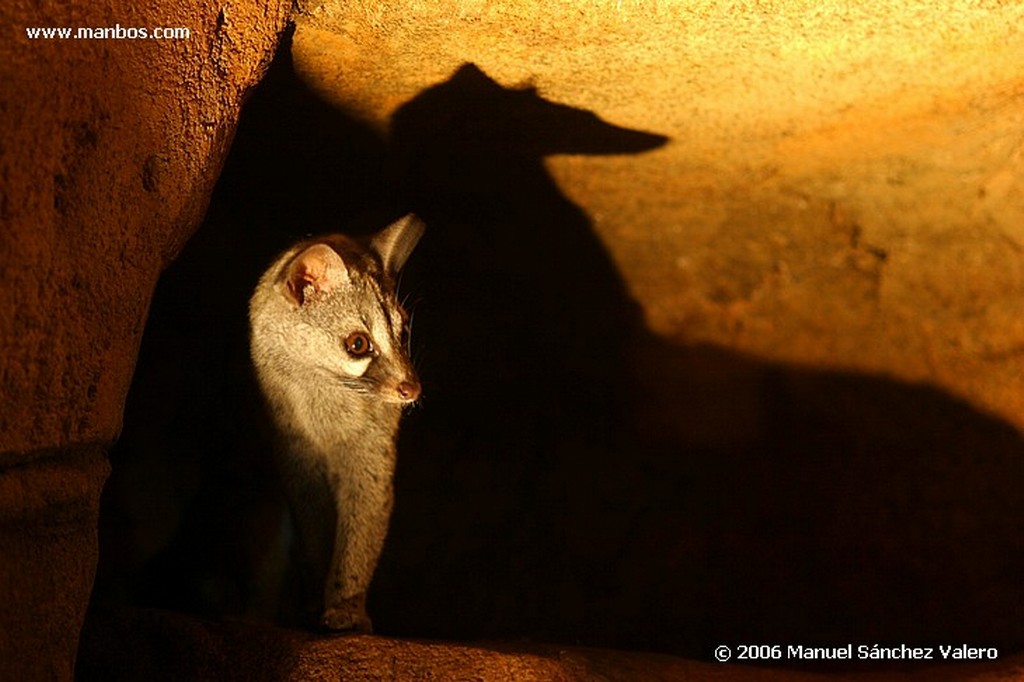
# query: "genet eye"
{"points": [[358, 344]]}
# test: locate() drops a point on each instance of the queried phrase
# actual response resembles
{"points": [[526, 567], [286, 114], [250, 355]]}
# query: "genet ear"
{"points": [[319, 268], [395, 242]]}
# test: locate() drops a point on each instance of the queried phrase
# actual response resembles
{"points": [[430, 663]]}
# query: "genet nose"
{"points": [[409, 390]]}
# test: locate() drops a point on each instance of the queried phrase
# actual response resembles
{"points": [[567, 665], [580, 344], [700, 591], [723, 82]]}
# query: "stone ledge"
{"points": [[135, 644]]}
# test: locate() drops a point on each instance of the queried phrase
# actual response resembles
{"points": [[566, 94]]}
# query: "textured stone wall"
{"points": [[841, 187], [109, 149]]}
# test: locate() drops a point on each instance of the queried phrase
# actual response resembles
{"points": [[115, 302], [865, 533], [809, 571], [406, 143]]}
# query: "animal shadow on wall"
{"points": [[523, 322], [574, 477], [567, 475]]}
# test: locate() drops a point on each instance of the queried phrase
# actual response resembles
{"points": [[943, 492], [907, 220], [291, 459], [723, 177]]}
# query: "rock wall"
{"points": [[841, 187], [109, 149]]}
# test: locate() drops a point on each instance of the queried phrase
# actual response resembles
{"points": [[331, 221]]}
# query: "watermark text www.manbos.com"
{"points": [[762, 653], [115, 32]]}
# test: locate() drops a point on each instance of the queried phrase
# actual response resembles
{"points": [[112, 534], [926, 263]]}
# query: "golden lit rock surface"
{"points": [[842, 187]]}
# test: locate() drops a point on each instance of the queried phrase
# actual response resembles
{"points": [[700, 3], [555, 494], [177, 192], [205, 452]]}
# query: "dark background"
{"points": [[567, 476]]}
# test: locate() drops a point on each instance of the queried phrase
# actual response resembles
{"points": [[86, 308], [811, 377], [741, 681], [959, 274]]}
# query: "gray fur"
{"points": [[336, 412]]}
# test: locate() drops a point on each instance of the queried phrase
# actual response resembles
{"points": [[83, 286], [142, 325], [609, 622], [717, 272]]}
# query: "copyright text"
{"points": [[850, 652]]}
